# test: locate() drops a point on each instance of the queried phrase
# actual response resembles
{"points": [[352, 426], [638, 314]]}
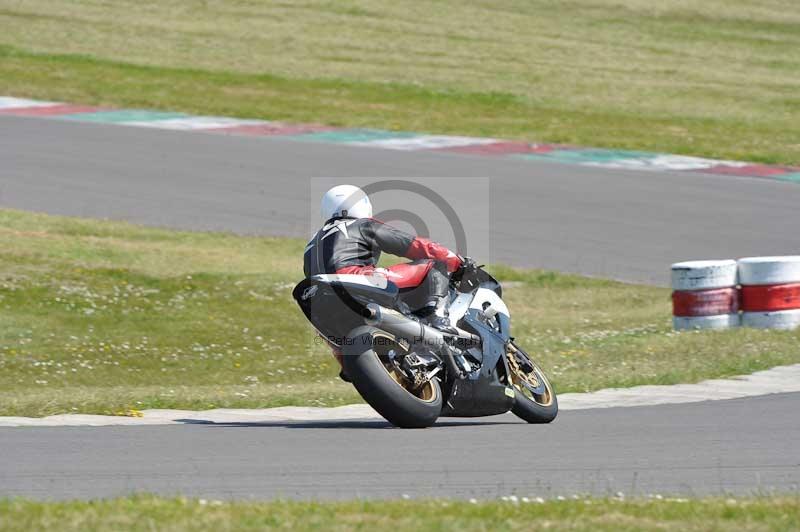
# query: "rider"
{"points": [[351, 242]]}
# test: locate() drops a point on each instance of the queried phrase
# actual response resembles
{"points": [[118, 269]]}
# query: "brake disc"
{"points": [[530, 379]]}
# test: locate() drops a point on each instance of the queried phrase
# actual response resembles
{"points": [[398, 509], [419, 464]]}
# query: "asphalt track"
{"points": [[613, 223], [742, 447]]}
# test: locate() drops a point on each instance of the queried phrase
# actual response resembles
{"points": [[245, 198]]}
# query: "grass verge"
{"points": [[153, 513], [107, 317], [717, 78]]}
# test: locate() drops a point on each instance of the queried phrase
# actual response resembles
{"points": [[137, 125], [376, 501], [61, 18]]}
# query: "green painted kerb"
{"points": [[352, 135], [123, 116], [794, 177], [587, 156]]}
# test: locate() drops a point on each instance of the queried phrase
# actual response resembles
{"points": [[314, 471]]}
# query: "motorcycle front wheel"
{"points": [[534, 398], [367, 361]]}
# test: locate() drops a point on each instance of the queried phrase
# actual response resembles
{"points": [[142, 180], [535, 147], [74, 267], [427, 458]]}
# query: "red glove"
{"points": [[422, 248]]}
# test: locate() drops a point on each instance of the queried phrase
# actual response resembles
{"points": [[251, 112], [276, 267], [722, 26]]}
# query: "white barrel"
{"points": [[769, 270], [722, 321], [703, 274], [781, 319]]}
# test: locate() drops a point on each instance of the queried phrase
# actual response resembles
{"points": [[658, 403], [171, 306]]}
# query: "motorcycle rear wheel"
{"points": [[366, 362]]}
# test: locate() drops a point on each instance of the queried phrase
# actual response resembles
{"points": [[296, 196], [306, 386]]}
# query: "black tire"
{"points": [[383, 393], [532, 412], [539, 404]]}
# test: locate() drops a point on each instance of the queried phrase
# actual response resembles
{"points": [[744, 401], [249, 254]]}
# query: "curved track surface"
{"points": [[612, 223], [736, 446]]}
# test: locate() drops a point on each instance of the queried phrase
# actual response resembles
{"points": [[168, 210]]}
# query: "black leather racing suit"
{"points": [[354, 246]]}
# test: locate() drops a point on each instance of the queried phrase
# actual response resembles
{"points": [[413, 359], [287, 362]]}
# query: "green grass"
{"points": [[719, 78], [107, 317], [154, 513]]}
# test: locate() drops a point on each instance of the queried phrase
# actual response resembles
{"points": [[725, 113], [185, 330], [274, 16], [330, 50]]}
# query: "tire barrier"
{"points": [[713, 302], [770, 292], [704, 295], [771, 297], [702, 274], [769, 270], [782, 319], [722, 321]]}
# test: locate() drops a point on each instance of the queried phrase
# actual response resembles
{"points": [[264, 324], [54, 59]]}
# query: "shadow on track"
{"points": [[341, 424]]}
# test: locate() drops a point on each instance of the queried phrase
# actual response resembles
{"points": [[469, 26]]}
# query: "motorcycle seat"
{"points": [[375, 288]]}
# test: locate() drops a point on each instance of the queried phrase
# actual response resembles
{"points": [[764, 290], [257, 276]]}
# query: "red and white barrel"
{"points": [[704, 295], [770, 296]]}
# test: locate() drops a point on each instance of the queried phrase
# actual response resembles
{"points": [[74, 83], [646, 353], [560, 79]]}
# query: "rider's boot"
{"points": [[439, 317], [435, 312]]}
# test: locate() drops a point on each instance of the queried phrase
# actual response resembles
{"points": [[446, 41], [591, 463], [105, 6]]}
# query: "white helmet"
{"points": [[346, 200]]}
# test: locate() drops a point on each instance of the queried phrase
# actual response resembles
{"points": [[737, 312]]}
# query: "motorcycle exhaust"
{"points": [[409, 330], [412, 332]]}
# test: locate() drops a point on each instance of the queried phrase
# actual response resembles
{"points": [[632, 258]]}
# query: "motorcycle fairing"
{"points": [[482, 393], [334, 303]]}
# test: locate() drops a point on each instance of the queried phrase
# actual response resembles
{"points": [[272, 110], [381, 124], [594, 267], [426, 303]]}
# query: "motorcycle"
{"points": [[411, 373]]}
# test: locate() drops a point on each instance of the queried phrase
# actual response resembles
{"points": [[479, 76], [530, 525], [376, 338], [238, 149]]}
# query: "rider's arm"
{"points": [[397, 242]]}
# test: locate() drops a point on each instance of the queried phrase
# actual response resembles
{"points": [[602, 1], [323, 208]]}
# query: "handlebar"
{"points": [[465, 276]]}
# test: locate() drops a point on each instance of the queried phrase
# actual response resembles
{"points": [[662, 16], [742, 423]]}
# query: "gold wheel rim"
{"points": [[426, 393], [519, 379]]}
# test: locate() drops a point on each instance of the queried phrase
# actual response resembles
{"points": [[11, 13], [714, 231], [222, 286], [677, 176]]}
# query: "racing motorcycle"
{"points": [[411, 373]]}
